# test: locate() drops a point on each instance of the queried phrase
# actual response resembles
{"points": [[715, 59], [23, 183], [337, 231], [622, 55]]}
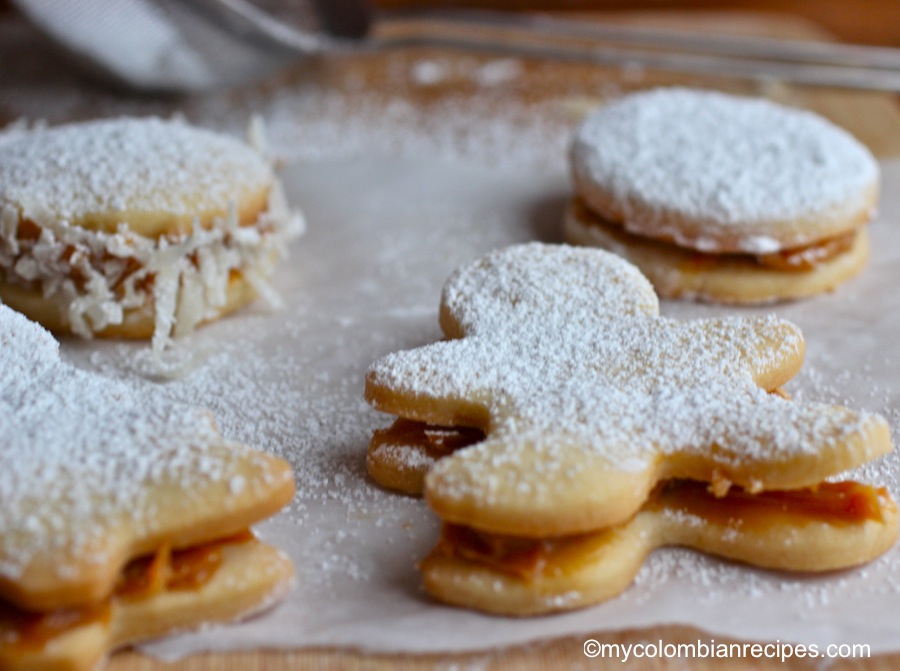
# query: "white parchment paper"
{"points": [[383, 236]]}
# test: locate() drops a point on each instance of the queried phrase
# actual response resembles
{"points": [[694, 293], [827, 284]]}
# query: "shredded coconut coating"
{"points": [[565, 351], [79, 454], [56, 178], [748, 173]]}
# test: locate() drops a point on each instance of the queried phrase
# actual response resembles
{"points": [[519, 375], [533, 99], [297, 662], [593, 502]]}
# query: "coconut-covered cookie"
{"points": [[723, 198], [590, 402], [123, 514], [136, 227]]}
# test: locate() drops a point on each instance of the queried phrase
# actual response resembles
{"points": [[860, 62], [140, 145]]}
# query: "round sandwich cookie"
{"points": [[723, 198], [136, 228]]}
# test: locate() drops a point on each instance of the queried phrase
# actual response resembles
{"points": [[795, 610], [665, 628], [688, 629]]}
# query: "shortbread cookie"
{"points": [[770, 202], [170, 591], [400, 456], [589, 399], [560, 356], [94, 474], [834, 526], [136, 227], [677, 272]]}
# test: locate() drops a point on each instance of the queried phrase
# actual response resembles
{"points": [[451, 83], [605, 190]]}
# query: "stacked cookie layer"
{"points": [[136, 228], [123, 516], [722, 198], [608, 431]]}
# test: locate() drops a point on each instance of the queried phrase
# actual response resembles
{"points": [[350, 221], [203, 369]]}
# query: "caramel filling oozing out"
{"points": [[524, 558], [165, 570], [804, 258], [810, 256], [835, 503], [435, 441]]}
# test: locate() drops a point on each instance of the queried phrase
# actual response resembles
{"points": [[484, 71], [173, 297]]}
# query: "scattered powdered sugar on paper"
{"points": [[451, 129], [408, 457], [384, 235], [311, 119]]}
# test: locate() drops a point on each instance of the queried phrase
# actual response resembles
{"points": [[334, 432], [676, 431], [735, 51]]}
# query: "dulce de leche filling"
{"points": [[166, 570], [435, 441], [802, 258], [834, 503], [810, 256]]}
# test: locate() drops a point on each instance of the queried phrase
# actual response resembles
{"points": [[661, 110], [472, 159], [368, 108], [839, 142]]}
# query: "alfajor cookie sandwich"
{"points": [[124, 516], [722, 198], [136, 228], [564, 430]]}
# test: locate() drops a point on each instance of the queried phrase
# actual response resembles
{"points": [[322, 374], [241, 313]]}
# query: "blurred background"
{"points": [[319, 104], [864, 21]]}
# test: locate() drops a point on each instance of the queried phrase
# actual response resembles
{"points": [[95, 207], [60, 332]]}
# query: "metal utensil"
{"points": [[189, 45]]}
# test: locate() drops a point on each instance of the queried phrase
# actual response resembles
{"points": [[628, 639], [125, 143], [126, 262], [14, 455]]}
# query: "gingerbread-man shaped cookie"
{"points": [[123, 515], [570, 431], [588, 399]]}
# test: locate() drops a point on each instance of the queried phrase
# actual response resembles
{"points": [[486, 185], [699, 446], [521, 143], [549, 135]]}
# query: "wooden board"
{"points": [[864, 21]]}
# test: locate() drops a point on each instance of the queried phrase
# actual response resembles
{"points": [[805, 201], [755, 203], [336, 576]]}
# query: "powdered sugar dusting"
{"points": [[291, 382], [314, 118], [406, 456], [566, 351], [738, 167], [126, 164], [79, 452], [119, 176]]}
